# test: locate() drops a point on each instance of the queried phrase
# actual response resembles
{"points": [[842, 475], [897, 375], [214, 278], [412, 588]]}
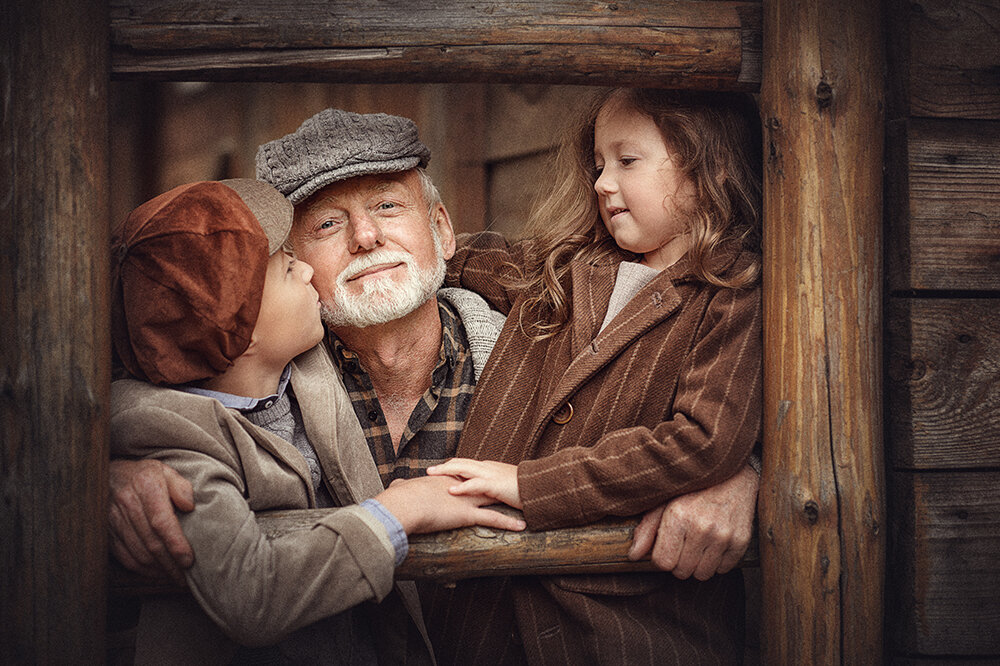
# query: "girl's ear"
{"points": [[442, 221]]}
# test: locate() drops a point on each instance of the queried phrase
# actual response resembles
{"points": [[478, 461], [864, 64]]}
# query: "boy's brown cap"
{"points": [[187, 277]]}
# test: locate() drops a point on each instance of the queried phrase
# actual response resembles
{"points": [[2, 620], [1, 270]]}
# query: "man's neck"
{"points": [[400, 357]]}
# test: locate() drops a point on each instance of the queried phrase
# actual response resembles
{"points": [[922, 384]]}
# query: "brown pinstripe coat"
{"points": [[665, 400]]}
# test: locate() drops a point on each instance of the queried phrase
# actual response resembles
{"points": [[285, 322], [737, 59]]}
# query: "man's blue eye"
{"points": [[385, 205]]}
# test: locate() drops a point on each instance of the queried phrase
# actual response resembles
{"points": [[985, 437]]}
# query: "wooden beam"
{"points": [[712, 44], [945, 571], [474, 552], [54, 346], [822, 491], [942, 394]]}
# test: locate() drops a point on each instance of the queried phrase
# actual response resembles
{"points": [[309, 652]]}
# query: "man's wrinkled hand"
{"points": [[702, 533], [146, 536]]}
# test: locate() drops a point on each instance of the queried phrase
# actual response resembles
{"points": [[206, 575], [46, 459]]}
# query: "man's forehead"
{"points": [[336, 193]]}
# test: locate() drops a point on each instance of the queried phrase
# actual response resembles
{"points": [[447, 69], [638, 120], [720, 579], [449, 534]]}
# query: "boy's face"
{"points": [[288, 323]]}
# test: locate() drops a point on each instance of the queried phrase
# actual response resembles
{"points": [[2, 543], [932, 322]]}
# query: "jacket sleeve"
{"points": [[715, 421], [256, 589], [480, 261]]}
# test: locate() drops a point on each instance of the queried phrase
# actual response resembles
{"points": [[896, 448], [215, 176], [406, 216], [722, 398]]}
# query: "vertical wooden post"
{"points": [[822, 508], [54, 376]]}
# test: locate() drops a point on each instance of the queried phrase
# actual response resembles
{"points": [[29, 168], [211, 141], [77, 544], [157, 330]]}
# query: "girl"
{"points": [[629, 371]]}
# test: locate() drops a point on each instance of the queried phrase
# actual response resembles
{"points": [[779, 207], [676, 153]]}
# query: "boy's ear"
{"points": [[442, 221]]}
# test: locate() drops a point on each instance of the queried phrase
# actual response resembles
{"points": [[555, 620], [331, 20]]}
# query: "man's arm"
{"points": [[146, 536], [701, 533]]}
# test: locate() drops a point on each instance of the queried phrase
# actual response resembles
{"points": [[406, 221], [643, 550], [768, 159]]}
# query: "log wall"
{"points": [[942, 392]]}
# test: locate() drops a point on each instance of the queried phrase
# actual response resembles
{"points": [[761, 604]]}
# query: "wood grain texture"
{"points": [[473, 551], [707, 44], [54, 346], [945, 571], [954, 68], [822, 498], [945, 224], [943, 388]]}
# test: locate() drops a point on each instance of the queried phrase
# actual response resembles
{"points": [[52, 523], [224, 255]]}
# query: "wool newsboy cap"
{"points": [[188, 271], [335, 145]]}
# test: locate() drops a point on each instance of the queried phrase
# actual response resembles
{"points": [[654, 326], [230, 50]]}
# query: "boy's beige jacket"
{"points": [[259, 590]]}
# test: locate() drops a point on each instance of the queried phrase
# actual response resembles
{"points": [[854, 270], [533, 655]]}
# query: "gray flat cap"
{"points": [[335, 145]]}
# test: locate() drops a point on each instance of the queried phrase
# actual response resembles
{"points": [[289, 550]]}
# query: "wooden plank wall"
{"points": [[943, 331]]}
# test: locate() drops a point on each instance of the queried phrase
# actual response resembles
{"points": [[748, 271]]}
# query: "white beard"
{"points": [[384, 299]]}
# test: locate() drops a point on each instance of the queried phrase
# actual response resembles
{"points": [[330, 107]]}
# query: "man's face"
{"points": [[377, 252]]}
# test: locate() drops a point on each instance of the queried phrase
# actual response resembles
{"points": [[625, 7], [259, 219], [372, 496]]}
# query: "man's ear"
{"points": [[442, 222]]}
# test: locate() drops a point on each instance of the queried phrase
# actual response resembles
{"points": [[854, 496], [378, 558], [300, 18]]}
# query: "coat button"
{"points": [[564, 414]]}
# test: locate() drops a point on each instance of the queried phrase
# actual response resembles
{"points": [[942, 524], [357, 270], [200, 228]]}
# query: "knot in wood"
{"points": [[824, 95], [811, 510]]}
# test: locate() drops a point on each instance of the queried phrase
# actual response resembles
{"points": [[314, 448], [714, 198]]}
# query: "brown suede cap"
{"points": [[188, 273]]}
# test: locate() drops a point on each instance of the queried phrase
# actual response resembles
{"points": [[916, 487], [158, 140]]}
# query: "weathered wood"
{"points": [[945, 568], [945, 221], [822, 502], [943, 391], [54, 360], [688, 43], [475, 551], [954, 68]]}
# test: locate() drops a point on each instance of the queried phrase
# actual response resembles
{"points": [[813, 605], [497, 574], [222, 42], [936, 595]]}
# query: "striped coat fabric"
{"points": [[665, 400]]}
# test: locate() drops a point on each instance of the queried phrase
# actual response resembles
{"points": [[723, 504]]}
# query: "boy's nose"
{"points": [[366, 233], [307, 271]]}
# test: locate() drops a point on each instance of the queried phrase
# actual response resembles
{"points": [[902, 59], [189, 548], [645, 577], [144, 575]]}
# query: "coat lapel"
{"points": [[655, 302], [333, 429]]}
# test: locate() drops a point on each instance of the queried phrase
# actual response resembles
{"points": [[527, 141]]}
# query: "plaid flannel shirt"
{"points": [[432, 432]]}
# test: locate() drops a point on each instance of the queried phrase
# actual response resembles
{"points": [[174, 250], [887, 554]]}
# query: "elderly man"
{"points": [[371, 223]]}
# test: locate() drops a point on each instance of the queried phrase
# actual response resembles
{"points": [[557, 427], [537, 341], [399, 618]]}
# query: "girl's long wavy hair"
{"points": [[713, 138]]}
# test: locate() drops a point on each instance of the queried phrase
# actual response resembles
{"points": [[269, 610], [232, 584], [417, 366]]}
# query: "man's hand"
{"points": [[482, 477], [701, 533], [424, 504], [146, 536]]}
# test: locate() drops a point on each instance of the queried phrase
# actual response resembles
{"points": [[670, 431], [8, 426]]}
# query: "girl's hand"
{"points": [[482, 477]]}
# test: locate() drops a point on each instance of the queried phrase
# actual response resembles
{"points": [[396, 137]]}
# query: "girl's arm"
{"points": [[715, 421], [480, 260]]}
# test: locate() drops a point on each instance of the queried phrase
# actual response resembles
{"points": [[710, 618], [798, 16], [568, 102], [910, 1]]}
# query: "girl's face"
{"points": [[644, 199]]}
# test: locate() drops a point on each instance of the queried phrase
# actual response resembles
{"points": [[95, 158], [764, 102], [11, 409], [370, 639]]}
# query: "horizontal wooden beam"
{"points": [[708, 44], [473, 552], [945, 573], [942, 394]]}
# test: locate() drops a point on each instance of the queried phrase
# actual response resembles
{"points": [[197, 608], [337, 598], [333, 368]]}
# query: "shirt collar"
{"points": [[348, 361], [240, 402]]}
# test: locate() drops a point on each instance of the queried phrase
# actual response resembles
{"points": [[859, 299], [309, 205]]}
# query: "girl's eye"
{"points": [[598, 168], [625, 161]]}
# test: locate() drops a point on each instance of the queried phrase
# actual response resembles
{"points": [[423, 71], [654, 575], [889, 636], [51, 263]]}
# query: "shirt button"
{"points": [[268, 403], [373, 416], [564, 414]]}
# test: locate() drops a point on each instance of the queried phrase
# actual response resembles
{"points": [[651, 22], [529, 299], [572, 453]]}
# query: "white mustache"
{"points": [[366, 261]]}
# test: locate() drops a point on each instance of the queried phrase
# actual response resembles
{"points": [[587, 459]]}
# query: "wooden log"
{"points": [[944, 221], [473, 552], [822, 503], [54, 347], [945, 573], [942, 393], [688, 43]]}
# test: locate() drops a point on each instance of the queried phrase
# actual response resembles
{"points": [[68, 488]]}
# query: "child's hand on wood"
{"points": [[482, 477]]}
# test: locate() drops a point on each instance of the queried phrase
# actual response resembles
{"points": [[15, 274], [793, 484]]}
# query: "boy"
{"points": [[209, 312]]}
